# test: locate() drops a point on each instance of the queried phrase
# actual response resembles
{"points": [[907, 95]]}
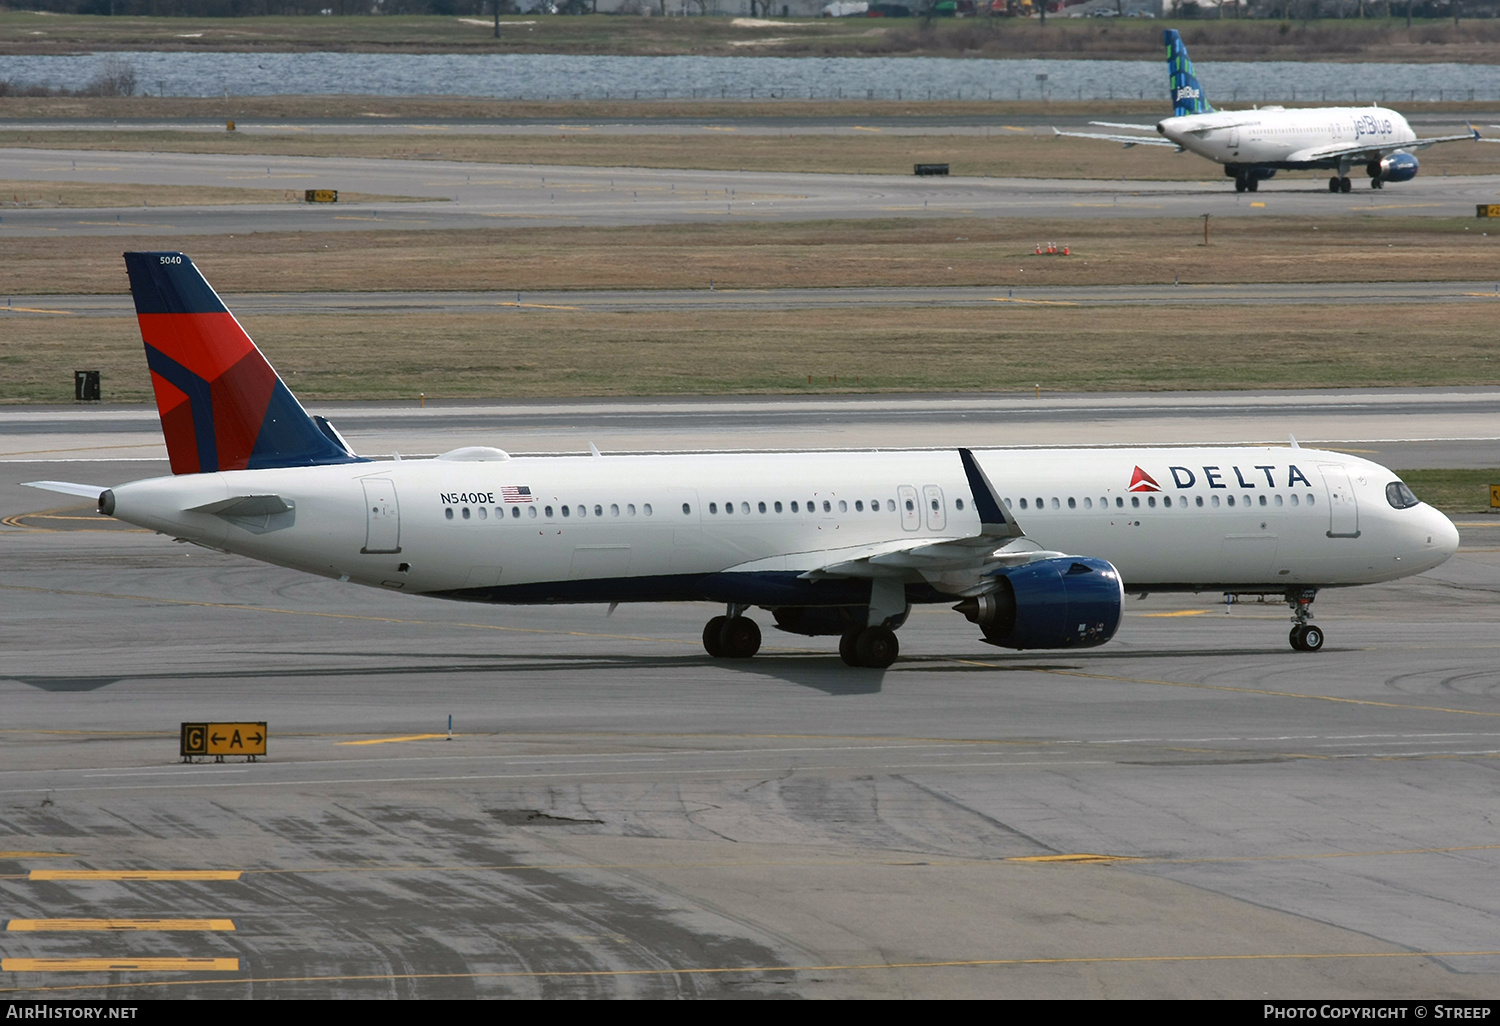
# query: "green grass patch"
{"points": [[1453, 491]]}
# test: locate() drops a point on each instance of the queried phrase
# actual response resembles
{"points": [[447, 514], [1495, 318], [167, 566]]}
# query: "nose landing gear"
{"points": [[1305, 637]]}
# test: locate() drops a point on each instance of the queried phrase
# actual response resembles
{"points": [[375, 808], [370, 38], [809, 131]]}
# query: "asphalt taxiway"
{"points": [[1192, 810], [468, 195]]}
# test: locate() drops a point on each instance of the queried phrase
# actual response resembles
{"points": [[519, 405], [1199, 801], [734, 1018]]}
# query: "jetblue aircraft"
{"points": [[1037, 548], [1254, 144]]}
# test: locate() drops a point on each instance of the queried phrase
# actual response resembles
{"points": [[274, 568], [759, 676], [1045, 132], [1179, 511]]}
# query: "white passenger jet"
{"points": [[1254, 144], [1037, 548]]}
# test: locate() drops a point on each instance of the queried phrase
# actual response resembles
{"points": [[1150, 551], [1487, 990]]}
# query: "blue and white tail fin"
{"points": [[1188, 96]]}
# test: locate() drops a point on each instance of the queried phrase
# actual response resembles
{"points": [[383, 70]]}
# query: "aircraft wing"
{"points": [[1126, 140], [957, 565], [1366, 150]]}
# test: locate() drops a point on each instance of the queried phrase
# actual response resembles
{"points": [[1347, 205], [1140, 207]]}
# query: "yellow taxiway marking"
{"points": [[127, 224], [37, 855], [1485, 295], [34, 309], [1257, 204], [1477, 523], [1179, 612], [134, 874], [865, 128], [1080, 857], [1013, 128], [967, 963], [1033, 302], [360, 217], [119, 965], [393, 740], [72, 925], [536, 306]]}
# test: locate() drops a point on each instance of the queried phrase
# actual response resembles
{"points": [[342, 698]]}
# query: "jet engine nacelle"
{"points": [[1070, 602], [1398, 167]]}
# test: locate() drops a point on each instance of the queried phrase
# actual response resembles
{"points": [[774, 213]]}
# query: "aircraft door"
{"points": [[937, 516], [911, 514], [382, 516], [1343, 510]]}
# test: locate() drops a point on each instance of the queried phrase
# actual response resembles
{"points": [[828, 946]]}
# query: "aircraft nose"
{"points": [[1437, 538]]}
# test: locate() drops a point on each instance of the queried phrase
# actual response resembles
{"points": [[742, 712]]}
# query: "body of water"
{"points": [[542, 76]]}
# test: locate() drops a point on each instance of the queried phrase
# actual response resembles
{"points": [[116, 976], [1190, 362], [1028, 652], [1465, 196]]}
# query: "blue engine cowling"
{"points": [[1398, 167], [1069, 602]]}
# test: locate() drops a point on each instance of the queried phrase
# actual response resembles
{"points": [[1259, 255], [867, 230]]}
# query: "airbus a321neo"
{"points": [[1037, 548], [1254, 144]]}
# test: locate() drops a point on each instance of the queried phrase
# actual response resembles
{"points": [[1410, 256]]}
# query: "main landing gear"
{"points": [[1338, 184], [875, 647], [1246, 183], [731, 637], [1305, 637]]}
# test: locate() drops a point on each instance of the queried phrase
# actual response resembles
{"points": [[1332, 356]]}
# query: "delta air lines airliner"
{"points": [[1036, 548]]}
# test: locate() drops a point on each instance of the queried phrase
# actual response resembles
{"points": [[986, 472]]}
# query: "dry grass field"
{"points": [[896, 252], [89, 194], [1005, 153], [556, 352]]}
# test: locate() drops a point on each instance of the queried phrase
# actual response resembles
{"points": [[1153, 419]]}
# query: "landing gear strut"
{"points": [[1305, 637], [734, 636]]}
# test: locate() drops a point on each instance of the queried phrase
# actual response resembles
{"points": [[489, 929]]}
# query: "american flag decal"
{"points": [[513, 493]]}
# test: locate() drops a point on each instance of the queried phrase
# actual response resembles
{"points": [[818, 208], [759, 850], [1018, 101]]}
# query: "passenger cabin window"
{"points": [[827, 506], [958, 504], [466, 513], [448, 512]]}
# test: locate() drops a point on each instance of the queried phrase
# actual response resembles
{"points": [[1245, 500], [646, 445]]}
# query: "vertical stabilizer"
{"points": [[1188, 96], [222, 405]]}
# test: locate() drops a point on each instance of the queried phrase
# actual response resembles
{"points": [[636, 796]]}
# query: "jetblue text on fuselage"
{"points": [[1184, 477], [1368, 124]]}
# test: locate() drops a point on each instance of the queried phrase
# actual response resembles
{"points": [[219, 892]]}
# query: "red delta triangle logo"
{"points": [[1141, 481]]}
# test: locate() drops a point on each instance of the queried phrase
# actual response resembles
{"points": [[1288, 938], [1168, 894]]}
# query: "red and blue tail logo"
{"points": [[222, 405]]}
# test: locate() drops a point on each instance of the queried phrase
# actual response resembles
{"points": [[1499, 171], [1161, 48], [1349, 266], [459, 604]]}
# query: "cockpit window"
{"points": [[1400, 496]]}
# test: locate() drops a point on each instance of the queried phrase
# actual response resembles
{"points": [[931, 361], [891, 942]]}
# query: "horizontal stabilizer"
{"points": [[67, 488], [1124, 140]]}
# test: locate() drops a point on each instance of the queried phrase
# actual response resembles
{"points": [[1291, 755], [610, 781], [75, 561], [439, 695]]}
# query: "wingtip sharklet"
{"points": [[992, 515]]}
